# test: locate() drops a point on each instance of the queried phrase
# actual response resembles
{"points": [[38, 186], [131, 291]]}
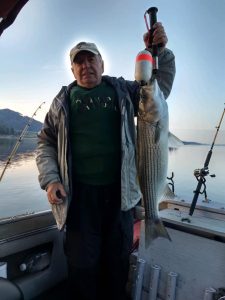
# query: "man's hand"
{"points": [[55, 193], [139, 212], [159, 36]]}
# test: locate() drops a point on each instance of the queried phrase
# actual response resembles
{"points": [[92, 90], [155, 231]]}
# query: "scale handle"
{"points": [[152, 11]]}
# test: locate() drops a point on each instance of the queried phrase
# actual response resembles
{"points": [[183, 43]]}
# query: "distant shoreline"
{"points": [[200, 144]]}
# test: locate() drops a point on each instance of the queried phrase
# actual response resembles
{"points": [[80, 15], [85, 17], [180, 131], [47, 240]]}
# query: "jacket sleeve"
{"points": [[166, 72], [46, 159]]}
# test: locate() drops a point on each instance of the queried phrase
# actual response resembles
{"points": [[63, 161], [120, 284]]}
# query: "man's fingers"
{"points": [[159, 35], [160, 40], [62, 191], [53, 199], [55, 193]]}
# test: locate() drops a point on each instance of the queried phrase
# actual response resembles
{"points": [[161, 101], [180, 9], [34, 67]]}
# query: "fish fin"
{"points": [[173, 141], [153, 230], [168, 194]]}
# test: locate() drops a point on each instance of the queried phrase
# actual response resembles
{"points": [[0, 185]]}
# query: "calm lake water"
{"points": [[20, 192]]}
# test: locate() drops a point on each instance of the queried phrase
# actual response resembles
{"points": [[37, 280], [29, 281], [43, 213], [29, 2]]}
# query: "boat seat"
{"points": [[9, 290]]}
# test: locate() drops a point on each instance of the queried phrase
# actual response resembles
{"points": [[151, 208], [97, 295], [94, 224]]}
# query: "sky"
{"points": [[34, 52]]}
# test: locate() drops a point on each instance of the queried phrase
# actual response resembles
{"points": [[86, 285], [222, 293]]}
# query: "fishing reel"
{"points": [[202, 173]]}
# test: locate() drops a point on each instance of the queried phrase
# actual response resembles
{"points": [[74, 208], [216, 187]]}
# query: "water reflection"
{"points": [[21, 193], [188, 158], [19, 187], [25, 151]]}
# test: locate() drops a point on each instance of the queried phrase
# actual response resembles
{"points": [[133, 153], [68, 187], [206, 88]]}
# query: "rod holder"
{"points": [[209, 293], [139, 279], [171, 286], [154, 282]]}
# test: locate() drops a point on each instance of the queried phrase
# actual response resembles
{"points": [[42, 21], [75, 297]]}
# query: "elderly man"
{"points": [[86, 161]]}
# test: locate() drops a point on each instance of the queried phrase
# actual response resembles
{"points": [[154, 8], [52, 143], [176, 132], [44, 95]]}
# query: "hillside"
{"points": [[12, 122]]}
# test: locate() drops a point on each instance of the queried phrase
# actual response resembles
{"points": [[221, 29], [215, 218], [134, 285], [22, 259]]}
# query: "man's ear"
{"points": [[103, 69], [72, 71]]}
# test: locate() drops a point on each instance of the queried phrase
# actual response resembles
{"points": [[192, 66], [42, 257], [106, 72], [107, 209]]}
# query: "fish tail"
{"points": [[154, 229]]}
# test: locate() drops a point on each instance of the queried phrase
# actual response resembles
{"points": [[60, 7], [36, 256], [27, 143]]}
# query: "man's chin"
{"points": [[89, 83]]}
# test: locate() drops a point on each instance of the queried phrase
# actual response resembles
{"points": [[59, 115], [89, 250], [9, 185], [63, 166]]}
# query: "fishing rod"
{"points": [[200, 174], [19, 140]]}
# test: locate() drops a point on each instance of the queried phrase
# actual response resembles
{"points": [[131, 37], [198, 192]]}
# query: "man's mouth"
{"points": [[87, 74]]}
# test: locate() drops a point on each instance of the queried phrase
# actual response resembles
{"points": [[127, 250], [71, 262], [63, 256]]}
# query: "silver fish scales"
{"points": [[152, 159]]}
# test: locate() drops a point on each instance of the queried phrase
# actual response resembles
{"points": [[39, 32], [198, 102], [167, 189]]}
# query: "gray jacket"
{"points": [[54, 153]]}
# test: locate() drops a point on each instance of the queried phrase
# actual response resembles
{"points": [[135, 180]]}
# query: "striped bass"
{"points": [[152, 158]]}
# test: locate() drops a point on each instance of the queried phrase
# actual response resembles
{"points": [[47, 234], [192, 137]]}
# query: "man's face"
{"points": [[87, 68]]}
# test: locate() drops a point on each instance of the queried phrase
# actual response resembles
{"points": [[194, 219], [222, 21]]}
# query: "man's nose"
{"points": [[85, 63]]}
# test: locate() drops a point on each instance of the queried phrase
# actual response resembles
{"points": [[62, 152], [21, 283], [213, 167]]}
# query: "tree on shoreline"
{"points": [[6, 130]]}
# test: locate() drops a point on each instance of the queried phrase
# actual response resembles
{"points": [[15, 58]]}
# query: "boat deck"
{"points": [[192, 260], [208, 219]]}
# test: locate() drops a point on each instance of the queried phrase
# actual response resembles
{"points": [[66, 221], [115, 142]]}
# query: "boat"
{"points": [[31, 256], [189, 267]]}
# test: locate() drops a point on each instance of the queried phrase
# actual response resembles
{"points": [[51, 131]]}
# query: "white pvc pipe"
{"points": [[171, 286], [139, 279], [154, 282], [209, 292]]}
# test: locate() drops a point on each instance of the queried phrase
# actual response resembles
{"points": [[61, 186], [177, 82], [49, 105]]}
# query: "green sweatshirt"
{"points": [[95, 134]]}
